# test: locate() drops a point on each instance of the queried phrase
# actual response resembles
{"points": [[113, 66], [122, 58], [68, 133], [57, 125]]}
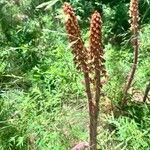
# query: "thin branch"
{"points": [[131, 76], [146, 92]]}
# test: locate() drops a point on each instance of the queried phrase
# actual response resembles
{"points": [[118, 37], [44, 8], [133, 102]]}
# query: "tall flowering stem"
{"points": [[90, 62], [134, 14], [98, 70], [78, 49]]}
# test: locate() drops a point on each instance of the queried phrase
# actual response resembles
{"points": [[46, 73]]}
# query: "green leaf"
{"points": [[42, 5], [20, 141], [51, 4], [47, 5]]}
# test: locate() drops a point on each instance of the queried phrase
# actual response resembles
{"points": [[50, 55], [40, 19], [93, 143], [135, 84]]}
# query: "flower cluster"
{"points": [[96, 48], [91, 59], [134, 14], [77, 44]]}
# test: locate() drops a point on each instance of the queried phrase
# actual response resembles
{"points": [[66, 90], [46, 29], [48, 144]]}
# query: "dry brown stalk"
{"points": [[134, 14]]}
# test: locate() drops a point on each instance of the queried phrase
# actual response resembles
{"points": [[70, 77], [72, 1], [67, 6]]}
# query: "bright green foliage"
{"points": [[129, 134], [42, 100]]}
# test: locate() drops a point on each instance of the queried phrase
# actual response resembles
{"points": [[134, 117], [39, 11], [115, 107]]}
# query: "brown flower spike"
{"points": [[96, 48], [89, 61], [74, 34], [134, 14], [98, 70]]}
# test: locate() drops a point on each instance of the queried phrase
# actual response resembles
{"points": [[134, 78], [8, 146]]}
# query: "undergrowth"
{"points": [[42, 100]]}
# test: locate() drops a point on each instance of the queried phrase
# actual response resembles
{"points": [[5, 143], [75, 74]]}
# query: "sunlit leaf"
{"points": [[47, 5]]}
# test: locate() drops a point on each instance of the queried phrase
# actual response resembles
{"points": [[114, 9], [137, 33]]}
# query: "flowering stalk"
{"points": [[74, 34], [90, 62], [96, 68], [78, 49], [134, 14]]}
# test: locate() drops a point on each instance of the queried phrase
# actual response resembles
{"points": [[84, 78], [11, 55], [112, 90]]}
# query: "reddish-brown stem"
{"points": [[93, 108], [134, 66], [92, 113], [97, 98], [134, 14]]}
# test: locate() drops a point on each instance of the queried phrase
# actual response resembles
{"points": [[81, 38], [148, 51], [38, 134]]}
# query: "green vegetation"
{"points": [[43, 104]]}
